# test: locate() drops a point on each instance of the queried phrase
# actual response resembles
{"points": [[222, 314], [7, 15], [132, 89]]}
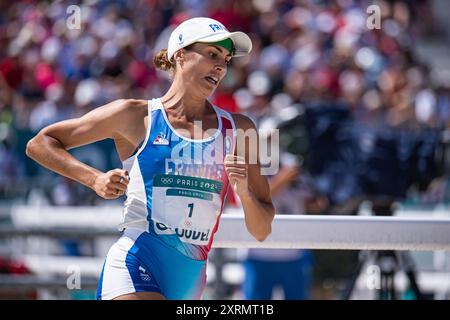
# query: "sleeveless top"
{"points": [[178, 185]]}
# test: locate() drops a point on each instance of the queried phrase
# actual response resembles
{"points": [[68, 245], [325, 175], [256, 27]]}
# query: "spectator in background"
{"points": [[290, 269]]}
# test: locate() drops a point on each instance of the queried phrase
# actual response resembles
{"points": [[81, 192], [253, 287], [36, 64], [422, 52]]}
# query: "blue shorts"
{"points": [[294, 277], [140, 262]]}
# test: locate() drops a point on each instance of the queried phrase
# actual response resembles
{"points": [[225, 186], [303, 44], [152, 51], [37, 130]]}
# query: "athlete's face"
{"points": [[204, 66]]}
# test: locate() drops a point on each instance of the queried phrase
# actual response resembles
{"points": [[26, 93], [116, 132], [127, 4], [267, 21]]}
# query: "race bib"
{"points": [[187, 205]]}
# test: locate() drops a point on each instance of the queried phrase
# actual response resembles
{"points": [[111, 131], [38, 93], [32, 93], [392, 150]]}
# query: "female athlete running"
{"points": [[179, 156]]}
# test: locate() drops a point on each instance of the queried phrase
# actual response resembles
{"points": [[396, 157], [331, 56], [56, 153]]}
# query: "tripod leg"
{"points": [[346, 295], [415, 287], [407, 264], [392, 294]]}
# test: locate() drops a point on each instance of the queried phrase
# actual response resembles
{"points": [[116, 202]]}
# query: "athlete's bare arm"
{"points": [[251, 187], [121, 120]]}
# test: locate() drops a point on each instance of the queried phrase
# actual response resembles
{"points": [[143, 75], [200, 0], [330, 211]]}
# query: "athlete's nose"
{"points": [[220, 72], [220, 67]]}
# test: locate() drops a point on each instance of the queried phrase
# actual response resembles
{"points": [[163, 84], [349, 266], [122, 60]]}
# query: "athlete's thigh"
{"points": [[179, 277], [124, 273]]}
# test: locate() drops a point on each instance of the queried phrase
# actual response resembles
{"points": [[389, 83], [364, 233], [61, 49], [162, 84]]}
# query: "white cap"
{"points": [[206, 30]]}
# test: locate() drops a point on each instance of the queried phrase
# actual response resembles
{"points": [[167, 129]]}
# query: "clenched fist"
{"points": [[237, 171], [112, 184]]}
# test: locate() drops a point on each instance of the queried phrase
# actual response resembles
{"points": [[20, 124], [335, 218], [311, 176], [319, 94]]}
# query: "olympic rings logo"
{"points": [[166, 180]]}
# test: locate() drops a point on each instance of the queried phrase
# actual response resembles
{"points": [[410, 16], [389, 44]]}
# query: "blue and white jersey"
{"points": [[178, 185]]}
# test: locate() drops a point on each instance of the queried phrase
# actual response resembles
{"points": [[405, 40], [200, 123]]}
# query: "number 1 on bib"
{"points": [[191, 208]]}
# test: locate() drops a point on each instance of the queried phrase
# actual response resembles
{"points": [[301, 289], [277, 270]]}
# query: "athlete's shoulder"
{"points": [[126, 108], [133, 104], [242, 121]]}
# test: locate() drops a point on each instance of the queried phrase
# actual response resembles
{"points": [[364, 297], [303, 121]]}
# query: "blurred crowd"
{"points": [[304, 53]]}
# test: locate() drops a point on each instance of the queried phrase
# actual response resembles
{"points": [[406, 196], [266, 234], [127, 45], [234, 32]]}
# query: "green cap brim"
{"points": [[227, 44]]}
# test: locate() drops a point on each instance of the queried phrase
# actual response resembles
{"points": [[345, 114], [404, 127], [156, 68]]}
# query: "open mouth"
{"points": [[212, 80]]}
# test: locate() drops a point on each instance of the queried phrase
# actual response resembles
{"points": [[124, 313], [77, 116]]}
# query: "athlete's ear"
{"points": [[179, 56]]}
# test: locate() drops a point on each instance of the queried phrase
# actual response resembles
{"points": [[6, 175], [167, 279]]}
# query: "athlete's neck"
{"points": [[184, 103]]}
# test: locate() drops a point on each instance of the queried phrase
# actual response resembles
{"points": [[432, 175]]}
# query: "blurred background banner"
{"points": [[359, 90]]}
